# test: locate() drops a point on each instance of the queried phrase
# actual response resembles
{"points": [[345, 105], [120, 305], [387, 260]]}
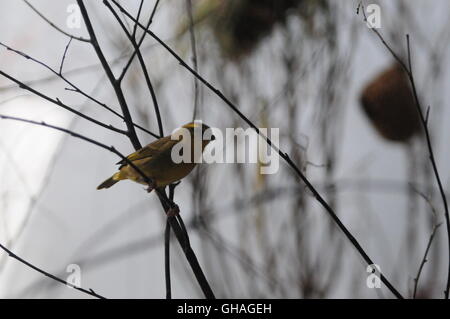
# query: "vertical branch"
{"points": [[186, 247], [137, 19], [114, 82], [424, 120], [424, 259], [194, 54], [143, 67], [167, 260], [128, 64]]}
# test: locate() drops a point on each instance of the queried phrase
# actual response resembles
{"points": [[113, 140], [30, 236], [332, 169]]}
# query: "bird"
{"points": [[156, 162]]}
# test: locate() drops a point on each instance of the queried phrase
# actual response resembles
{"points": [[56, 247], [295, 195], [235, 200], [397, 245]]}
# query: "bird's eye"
{"points": [[213, 138]]}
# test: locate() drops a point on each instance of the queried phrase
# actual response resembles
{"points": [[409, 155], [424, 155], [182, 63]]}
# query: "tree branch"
{"points": [[53, 25], [194, 55], [61, 104], [143, 66], [130, 60], [75, 89], [49, 275], [115, 84]]}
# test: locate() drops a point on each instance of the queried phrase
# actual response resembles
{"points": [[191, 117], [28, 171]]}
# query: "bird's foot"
{"points": [[151, 187], [173, 211]]}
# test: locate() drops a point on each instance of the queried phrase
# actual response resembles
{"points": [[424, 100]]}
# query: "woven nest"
{"points": [[389, 104]]}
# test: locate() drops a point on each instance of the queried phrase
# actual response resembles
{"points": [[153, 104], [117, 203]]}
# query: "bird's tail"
{"points": [[110, 181]]}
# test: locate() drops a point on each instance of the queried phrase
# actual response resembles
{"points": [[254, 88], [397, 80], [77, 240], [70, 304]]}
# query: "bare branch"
{"points": [[194, 55], [64, 56], [137, 18], [61, 104], [53, 25], [49, 275], [130, 60], [74, 87], [115, 84], [424, 259], [167, 260], [143, 67]]}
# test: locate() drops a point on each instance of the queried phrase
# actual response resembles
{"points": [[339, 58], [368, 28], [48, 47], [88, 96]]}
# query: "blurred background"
{"points": [[311, 68]]}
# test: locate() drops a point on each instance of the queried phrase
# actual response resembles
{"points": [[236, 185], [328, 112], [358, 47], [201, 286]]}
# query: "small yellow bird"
{"points": [[155, 160]]}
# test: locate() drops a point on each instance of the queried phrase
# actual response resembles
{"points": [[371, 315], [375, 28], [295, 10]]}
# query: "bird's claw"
{"points": [[151, 187]]}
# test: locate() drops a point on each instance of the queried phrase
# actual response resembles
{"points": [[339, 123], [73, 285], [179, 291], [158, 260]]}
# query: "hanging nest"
{"points": [[240, 25], [389, 104]]}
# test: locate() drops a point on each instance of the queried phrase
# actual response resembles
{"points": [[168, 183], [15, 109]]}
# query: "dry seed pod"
{"points": [[389, 103]]}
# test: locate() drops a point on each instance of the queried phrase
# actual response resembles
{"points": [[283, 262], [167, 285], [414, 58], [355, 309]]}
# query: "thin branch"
{"points": [[194, 55], [115, 84], [53, 25], [143, 67], [61, 104], [282, 154], [180, 234], [430, 240], [423, 120], [130, 60], [49, 275], [167, 260], [424, 259], [64, 56], [74, 70], [74, 87], [137, 18], [10, 253]]}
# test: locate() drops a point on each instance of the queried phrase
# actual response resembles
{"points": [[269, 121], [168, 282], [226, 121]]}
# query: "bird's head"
{"points": [[198, 128]]}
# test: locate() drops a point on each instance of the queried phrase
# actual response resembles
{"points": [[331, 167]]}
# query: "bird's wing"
{"points": [[151, 150]]}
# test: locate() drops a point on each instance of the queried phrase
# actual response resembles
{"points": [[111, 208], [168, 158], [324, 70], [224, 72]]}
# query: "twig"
{"points": [[77, 135], [194, 55], [53, 25], [187, 249], [283, 155], [23, 261], [430, 240], [64, 55], [423, 120], [115, 84], [130, 60], [424, 259], [137, 18], [60, 104], [74, 89], [167, 260], [77, 70], [143, 67]]}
